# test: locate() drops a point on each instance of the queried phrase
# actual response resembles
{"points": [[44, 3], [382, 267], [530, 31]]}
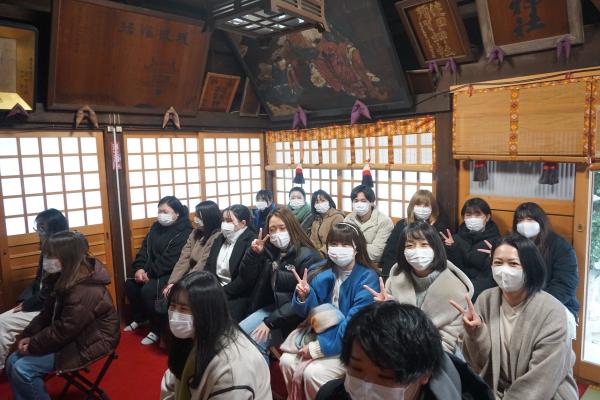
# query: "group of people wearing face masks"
{"points": [[65, 319]]}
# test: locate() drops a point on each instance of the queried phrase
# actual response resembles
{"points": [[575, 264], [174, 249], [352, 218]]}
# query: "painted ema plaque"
{"points": [[116, 57]]}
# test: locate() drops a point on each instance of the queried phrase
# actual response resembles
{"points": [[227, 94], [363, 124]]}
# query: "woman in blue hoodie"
{"points": [[333, 296]]}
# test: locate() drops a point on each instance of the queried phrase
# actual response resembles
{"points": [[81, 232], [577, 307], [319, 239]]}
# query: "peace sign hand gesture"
{"points": [[448, 240], [488, 250], [382, 295], [471, 319], [302, 288], [258, 244]]}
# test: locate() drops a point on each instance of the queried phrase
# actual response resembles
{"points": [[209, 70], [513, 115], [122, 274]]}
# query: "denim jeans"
{"points": [[252, 322], [26, 375]]}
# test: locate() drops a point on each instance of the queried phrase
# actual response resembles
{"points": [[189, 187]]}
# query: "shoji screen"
{"points": [[62, 170]]}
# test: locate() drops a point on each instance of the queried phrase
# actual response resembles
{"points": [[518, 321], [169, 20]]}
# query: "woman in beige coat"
{"points": [[197, 249], [326, 215], [516, 334], [223, 363], [424, 278]]}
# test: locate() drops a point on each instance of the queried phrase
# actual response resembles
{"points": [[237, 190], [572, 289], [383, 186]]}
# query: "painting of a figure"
{"points": [[309, 68]]}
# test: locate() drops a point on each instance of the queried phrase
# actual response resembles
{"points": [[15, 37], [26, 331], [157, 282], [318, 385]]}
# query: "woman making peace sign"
{"points": [[333, 296], [516, 334]]}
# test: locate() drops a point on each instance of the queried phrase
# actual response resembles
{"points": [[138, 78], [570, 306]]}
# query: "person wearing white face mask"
{"points": [[266, 271], [31, 301], [424, 278], [421, 207], [392, 351], [264, 205], [526, 327], [221, 358], [301, 210], [338, 284], [226, 256], [468, 248], [326, 215], [562, 278], [153, 265], [375, 226]]}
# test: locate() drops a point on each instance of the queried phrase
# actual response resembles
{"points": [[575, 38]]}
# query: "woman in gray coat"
{"points": [[516, 334]]}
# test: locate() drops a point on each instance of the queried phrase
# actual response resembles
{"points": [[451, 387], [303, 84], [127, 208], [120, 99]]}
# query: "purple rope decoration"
{"points": [[359, 109], [299, 117], [451, 66], [496, 55], [563, 46]]}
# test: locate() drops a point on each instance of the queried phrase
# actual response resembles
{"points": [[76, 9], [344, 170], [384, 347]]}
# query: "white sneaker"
{"points": [[134, 325], [150, 338]]}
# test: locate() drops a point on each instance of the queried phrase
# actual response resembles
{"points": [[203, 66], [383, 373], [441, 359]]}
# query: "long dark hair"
{"points": [[419, 230], [175, 204], [298, 237], [348, 234], [322, 194], [532, 262], [208, 211], [71, 249], [241, 213], [214, 328], [535, 212], [49, 222]]}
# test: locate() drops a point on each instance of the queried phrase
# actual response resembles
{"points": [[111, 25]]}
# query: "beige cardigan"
{"points": [[238, 372], [193, 256], [321, 226], [541, 358], [376, 230], [451, 284]]}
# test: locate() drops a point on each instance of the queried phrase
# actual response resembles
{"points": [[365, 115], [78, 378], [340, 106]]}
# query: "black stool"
{"points": [[85, 385]]}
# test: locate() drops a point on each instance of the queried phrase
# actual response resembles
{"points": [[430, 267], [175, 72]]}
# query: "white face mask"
{"points": [[361, 208], [341, 255], [422, 213], [419, 258], [360, 390], [475, 224], [322, 207], [296, 203], [508, 278], [228, 230], [261, 205], [198, 222], [280, 240], [182, 325], [165, 219], [51, 265], [529, 229]]}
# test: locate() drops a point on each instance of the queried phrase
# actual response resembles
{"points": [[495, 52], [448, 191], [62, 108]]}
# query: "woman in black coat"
{"points": [[562, 275], [226, 254], [469, 248], [154, 263], [267, 267], [422, 207]]}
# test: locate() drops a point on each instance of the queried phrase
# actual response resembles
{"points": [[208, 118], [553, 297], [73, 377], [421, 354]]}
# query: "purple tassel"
{"points": [[17, 111], [451, 66], [299, 117], [433, 67], [359, 109], [496, 55], [563, 46]]}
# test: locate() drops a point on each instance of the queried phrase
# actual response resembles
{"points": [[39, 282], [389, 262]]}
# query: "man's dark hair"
{"points": [[264, 195], [475, 205], [367, 191], [396, 337]]}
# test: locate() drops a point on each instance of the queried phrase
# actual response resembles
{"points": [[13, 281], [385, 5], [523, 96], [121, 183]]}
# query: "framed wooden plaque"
{"points": [[116, 57], [523, 26], [435, 29], [218, 92], [18, 61], [250, 106]]}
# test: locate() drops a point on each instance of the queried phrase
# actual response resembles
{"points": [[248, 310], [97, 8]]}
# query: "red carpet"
{"points": [[135, 375]]}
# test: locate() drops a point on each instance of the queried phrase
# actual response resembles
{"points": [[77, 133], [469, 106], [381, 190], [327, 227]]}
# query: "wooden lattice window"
{"points": [[61, 171], [158, 167], [315, 179]]}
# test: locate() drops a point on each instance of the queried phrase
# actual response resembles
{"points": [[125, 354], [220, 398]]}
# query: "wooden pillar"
{"points": [[446, 171]]}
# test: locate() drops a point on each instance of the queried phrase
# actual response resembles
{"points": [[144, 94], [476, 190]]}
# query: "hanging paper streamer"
{"points": [[451, 66], [359, 109], [86, 112], [299, 117], [480, 172], [433, 68], [549, 173], [563, 47], [171, 115], [496, 56]]}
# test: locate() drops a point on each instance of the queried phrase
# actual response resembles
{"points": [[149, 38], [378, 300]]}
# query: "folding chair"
{"points": [[85, 385]]}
